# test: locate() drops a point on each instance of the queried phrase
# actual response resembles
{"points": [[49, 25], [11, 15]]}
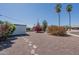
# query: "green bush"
{"points": [[44, 25], [6, 30], [28, 29], [56, 30]]}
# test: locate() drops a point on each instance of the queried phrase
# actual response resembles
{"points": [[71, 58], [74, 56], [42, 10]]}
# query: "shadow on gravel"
{"points": [[20, 35], [40, 32], [7, 43], [66, 35]]}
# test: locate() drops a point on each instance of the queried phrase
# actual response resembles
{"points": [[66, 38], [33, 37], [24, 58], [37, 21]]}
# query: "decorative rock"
{"points": [[32, 51], [34, 46], [36, 54], [30, 44]]}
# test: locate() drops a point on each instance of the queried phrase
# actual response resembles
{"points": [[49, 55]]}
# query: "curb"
{"points": [[72, 34]]}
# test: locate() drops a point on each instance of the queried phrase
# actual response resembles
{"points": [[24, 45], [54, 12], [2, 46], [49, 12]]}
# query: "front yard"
{"points": [[42, 44]]}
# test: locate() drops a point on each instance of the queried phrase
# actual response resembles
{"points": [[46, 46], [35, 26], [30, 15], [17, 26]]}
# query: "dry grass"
{"points": [[56, 30]]}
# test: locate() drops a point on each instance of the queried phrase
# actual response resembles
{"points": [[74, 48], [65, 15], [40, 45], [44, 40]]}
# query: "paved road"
{"points": [[43, 44]]}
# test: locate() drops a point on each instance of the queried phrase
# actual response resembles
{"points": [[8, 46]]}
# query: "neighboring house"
{"points": [[75, 27], [20, 29]]}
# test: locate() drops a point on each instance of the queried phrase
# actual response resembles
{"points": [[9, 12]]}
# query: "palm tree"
{"points": [[69, 9], [58, 10]]}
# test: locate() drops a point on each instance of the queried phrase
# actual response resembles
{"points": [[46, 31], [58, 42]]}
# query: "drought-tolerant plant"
{"points": [[6, 29], [38, 28], [44, 25], [69, 9], [11, 28], [56, 30], [66, 27], [28, 29], [58, 10], [1, 22]]}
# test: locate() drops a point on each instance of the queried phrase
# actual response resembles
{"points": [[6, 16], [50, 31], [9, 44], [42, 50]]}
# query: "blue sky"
{"points": [[29, 14]]}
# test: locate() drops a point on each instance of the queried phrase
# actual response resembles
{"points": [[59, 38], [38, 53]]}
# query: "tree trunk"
{"points": [[69, 21], [59, 19]]}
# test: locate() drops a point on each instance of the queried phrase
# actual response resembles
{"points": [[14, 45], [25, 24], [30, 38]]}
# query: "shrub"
{"points": [[44, 25], [38, 29], [55, 30], [6, 29], [66, 27], [28, 29]]}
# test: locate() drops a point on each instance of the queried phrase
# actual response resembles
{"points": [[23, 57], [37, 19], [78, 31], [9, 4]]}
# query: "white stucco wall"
{"points": [[20, 29]]}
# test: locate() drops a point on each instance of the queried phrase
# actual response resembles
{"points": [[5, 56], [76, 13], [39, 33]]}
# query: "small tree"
{"points": [[44, 25]]}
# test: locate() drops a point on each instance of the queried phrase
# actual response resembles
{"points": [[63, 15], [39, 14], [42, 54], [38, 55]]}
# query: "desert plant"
{"points": [[58, 10], [44, 25], [38, 28], [1, 22], [6, 30], [69, 9], [28, 29], [66, 27], [1, 26], [56, 30], [10, 29]]}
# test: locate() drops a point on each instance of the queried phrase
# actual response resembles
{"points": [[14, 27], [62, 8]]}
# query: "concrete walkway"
{"points": [[73, 33]]}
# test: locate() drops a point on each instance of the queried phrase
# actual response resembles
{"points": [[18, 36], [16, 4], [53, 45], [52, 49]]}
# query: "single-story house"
{"points": [[20, 29], [75, 27]]}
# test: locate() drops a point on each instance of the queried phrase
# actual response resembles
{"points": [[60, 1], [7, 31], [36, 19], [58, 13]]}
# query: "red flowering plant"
{"points": [[38, 28]]}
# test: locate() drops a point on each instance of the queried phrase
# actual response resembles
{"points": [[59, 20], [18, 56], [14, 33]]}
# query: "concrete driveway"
{"points": [[43, 44]]}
